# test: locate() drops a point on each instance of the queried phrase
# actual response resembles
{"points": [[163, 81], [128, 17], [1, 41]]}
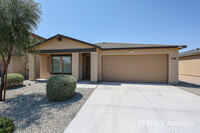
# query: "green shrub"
{"points": [[14, 79], [6, 125], [60, 87]]}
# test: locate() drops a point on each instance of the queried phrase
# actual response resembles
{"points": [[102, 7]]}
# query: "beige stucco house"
{"points": [[189, 63], [124, 62], [20, 64]]}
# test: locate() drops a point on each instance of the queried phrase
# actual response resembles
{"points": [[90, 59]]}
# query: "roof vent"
{"points": [[59, 38]]}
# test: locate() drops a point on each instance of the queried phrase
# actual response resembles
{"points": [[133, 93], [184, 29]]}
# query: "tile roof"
{"points": [[108, 45]]}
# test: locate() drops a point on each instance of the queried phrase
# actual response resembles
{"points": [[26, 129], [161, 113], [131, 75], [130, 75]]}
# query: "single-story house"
{"points": [[20, 64], [189, 63], [124, 62]]}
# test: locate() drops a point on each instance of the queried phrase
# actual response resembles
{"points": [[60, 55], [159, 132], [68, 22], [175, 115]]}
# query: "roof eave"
{"points": [[140, 48], [79, 41], [38, 36], [191, 54]]}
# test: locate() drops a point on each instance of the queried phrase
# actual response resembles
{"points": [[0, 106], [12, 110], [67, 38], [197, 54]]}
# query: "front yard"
{"points": [[32, 112]]}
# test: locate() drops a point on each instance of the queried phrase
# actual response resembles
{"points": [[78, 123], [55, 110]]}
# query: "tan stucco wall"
{"points": [[189, 65], [172, 59], [32, 66], [17, 65], [94, 66], [75, 65], [99, 64], [44, 74], [9, 67], [80, 66], [64, 44]]}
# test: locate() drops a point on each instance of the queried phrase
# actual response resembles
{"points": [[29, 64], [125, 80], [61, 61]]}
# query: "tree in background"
{"points": [[17, 19]]}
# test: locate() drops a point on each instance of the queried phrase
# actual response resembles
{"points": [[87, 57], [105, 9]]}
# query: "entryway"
{"points": [[86, 66]]}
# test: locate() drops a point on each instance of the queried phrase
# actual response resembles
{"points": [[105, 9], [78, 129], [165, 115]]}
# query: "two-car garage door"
{"points": [[136, 68]]}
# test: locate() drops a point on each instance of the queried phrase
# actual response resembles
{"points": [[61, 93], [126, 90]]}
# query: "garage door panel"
{"points": [[137, 68]]}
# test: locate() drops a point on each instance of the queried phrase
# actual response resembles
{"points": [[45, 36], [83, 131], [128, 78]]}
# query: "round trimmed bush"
{"points": [[6, 125], [14, 79], [60, 87]]}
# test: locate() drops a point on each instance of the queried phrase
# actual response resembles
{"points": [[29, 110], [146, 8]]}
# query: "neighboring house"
{"points": [[123, 62], [189, 63], [20, 64]]}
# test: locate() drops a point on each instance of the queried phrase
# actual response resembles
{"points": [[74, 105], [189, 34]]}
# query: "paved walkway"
{"points": [[138, 108]]}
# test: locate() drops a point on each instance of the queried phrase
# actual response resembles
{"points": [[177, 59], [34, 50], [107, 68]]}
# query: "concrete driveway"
{"points": [[138, 108]]}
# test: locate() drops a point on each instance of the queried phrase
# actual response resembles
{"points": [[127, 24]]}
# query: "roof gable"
{"points": [[58, 40]]}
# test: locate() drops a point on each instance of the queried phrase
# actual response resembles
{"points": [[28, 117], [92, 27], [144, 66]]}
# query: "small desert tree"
{"points": [[17, 19]]}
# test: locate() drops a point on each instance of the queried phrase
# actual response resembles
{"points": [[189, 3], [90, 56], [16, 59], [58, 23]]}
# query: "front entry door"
{"points": [[87, 67]]}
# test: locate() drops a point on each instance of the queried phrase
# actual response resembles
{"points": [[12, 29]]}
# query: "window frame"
{"points": [[61, 64]]}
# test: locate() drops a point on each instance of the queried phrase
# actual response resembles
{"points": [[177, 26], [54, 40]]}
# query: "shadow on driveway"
{"points": [[186, 84]]}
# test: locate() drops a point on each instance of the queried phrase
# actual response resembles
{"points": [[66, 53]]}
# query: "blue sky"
{"points": [[175, 22]]}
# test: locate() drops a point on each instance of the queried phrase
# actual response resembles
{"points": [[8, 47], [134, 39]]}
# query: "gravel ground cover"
{"points": [[193, 88], [32, 112]]}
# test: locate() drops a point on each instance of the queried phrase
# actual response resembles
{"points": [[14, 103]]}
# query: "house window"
{"points": [[56, 64], [61, 64], [66, 64]]}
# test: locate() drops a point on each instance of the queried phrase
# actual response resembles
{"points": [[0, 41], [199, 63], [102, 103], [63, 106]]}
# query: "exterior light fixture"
{"points": [[130, 51]]}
